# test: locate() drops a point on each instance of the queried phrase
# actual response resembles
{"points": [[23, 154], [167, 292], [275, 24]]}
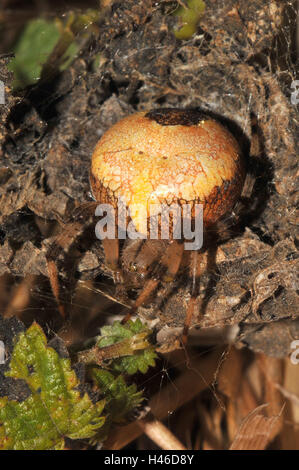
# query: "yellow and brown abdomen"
{"points": [[168, 156]]}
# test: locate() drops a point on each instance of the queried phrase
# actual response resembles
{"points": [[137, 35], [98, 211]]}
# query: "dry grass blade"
{"points": [[256, 431]]}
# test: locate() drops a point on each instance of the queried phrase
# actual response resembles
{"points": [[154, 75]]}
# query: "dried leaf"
{"points": [[255, 433]]}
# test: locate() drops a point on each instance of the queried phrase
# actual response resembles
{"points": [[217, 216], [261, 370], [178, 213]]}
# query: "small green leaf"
{"points": [[55, 409], [46, 47], [32, 50], [121, 399], [132, 351], [189, 18]]}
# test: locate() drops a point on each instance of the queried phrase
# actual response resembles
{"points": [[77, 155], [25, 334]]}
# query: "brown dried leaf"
{"points": [[255, 433]]}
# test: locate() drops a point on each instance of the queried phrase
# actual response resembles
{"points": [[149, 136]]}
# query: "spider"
{"points": [[168, 157]]}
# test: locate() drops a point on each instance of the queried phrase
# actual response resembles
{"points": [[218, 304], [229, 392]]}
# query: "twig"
{"points": [[160, 434]]}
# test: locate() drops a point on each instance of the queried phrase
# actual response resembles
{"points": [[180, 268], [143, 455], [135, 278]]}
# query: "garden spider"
{"points": [[167, 156]]}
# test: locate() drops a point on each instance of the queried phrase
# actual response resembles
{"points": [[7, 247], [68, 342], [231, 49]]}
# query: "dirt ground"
{"points": [[237, 67]]}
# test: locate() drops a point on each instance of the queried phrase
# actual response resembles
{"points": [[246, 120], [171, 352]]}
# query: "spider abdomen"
{"points": [[168, 156]]}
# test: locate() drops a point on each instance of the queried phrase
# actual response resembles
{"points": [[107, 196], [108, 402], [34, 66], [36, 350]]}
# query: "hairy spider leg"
{"points": [[194, 292], [111, 252], [54, 282], [61, 243], [174, 261], [58, 246], [166, 269], [146, 256]]}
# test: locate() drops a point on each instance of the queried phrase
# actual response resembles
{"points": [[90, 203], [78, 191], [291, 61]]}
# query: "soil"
{"points": [[239, 68]]}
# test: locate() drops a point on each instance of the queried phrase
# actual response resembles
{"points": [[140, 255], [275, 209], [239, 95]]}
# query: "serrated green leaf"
{"points": [[139, 362], [132, 351], [117, 332], [55, 409], [120, 398]]}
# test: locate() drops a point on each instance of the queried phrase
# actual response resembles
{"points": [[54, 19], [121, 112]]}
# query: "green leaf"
{"points": [[46, 47], [189, 17], [132, 351], [121, 399], [55, 409], [32, 50], [117, 332]]}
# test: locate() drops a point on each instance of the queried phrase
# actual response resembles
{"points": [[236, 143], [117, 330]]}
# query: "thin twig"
{"points": [[160, 434]]}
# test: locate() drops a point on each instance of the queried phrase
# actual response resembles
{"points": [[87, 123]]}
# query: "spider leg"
{"points": [[194, 291], [166, 269], [111, 251], [55, 249], [61, 243], [148, 254], [54, 282], [173, 262]]}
